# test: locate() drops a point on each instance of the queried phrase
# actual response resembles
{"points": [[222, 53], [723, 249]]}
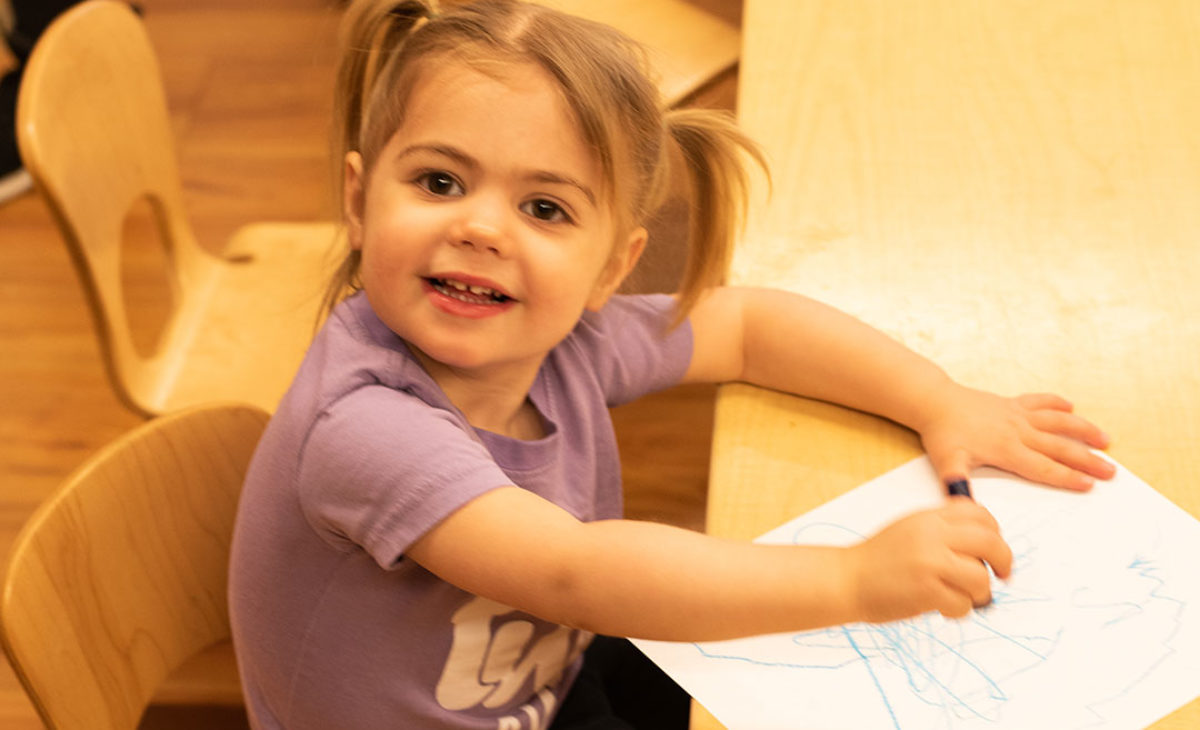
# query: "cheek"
{"points": [[384, 262], [602, 262], [393, 237], [586, 260]]}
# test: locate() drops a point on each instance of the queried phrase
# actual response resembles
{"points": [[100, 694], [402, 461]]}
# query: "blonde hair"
{"points": [[603, 77]]}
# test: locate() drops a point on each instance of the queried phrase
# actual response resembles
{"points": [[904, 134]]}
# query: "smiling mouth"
{"points": [[468, 293]]}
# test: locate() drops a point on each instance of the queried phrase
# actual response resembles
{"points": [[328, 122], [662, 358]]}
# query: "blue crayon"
{"points": [[962, 488]]}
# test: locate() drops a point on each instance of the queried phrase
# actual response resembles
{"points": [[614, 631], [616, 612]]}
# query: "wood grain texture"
{"points": [[249, 88], [1008, 188], [689, 46], [120, 576], [95, 135]]}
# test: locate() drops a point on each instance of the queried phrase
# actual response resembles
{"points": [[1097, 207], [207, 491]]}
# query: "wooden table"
{"points": [[1010, 187]]}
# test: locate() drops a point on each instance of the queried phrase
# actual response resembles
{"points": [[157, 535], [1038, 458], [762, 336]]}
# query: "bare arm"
{"points": [[640, 579], [798, 345], [795, 344]]}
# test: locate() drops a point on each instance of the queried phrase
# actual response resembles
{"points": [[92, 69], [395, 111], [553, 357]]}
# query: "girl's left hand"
{"points": [[1035, 436]]}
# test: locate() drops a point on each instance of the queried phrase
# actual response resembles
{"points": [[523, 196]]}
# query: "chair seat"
{"points": [[207, 678], [259, 314]]}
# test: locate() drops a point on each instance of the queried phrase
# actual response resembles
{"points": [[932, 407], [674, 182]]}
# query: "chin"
{"points": [[460, 360], [455, 355]]}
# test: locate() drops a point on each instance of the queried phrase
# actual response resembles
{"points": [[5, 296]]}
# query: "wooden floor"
{"points": [[249, 87]]}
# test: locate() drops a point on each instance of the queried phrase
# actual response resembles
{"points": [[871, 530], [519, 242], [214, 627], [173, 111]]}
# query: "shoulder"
{"points": [[380, 466], [388, 416], [352, 350], [366, 411], [627, 320], [630, 345], [652, 311]]}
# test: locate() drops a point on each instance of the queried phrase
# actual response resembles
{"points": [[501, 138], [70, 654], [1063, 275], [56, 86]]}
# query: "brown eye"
{"points": [[440, 183], [546, 210]]}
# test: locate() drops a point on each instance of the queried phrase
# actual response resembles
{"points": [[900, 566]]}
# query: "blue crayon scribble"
{"points": [[962, 668]]}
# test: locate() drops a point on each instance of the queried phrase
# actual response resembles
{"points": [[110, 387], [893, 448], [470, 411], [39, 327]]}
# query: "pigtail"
{"points": [[372, 32], [718, 191]]}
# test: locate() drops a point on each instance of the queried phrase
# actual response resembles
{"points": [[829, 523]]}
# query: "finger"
{"points": [[999, 557], [1071, 426], [980, 587], [955, 604], [1072, 454], [966, 514], [982, 542], [968, 585], [952, 465], [1025, 460], [1045, 401]]}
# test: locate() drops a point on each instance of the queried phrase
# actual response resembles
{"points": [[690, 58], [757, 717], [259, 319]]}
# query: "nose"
{"points": [[485, 224]]}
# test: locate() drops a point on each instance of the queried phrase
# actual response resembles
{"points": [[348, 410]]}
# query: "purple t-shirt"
{"points": [[333, 627]]}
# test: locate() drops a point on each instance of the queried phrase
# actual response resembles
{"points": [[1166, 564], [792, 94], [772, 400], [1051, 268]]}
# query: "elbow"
{"points": [[571, 601], [590, 586]]}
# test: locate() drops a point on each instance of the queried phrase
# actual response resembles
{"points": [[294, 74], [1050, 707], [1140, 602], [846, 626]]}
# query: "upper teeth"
{"points": [[477, 290]]}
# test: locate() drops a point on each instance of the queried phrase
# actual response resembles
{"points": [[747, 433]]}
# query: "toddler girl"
{"points": [[430, 535]]}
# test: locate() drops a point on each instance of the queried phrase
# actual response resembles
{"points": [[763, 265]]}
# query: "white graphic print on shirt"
{"points": [[492, 658]]}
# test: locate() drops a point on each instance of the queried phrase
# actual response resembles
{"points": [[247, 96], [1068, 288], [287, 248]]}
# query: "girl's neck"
{"points": [[495, 401]]}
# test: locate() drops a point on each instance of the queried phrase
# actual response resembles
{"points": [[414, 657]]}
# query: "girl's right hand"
{"points": [[928, 561]]}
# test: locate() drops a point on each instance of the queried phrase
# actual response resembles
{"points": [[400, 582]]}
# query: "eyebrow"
{"points": [[461, 157]]}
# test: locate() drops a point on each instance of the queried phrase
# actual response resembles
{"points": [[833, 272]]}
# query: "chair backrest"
{"points": [[688, 46], [95, 135], [121, 574]]}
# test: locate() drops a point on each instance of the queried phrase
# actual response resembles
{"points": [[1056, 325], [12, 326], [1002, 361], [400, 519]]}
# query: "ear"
{"points": [[353, 199], [620, 263]]}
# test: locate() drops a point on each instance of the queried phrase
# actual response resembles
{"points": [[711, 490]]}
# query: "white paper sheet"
{"points": [[1098, 627]]}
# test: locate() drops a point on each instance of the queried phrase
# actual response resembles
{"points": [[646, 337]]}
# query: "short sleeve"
{"points": [[380, 467], [631, 346]]}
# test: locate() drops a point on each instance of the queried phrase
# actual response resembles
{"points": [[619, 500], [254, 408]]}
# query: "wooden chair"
{"points": [[689, 47], [94, 132], [121, 575]]}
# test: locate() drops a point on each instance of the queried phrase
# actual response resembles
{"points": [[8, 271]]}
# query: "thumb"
{"points": [[951, 465]]}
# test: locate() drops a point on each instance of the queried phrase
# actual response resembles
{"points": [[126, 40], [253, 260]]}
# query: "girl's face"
{"points": [[483, 226]]}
